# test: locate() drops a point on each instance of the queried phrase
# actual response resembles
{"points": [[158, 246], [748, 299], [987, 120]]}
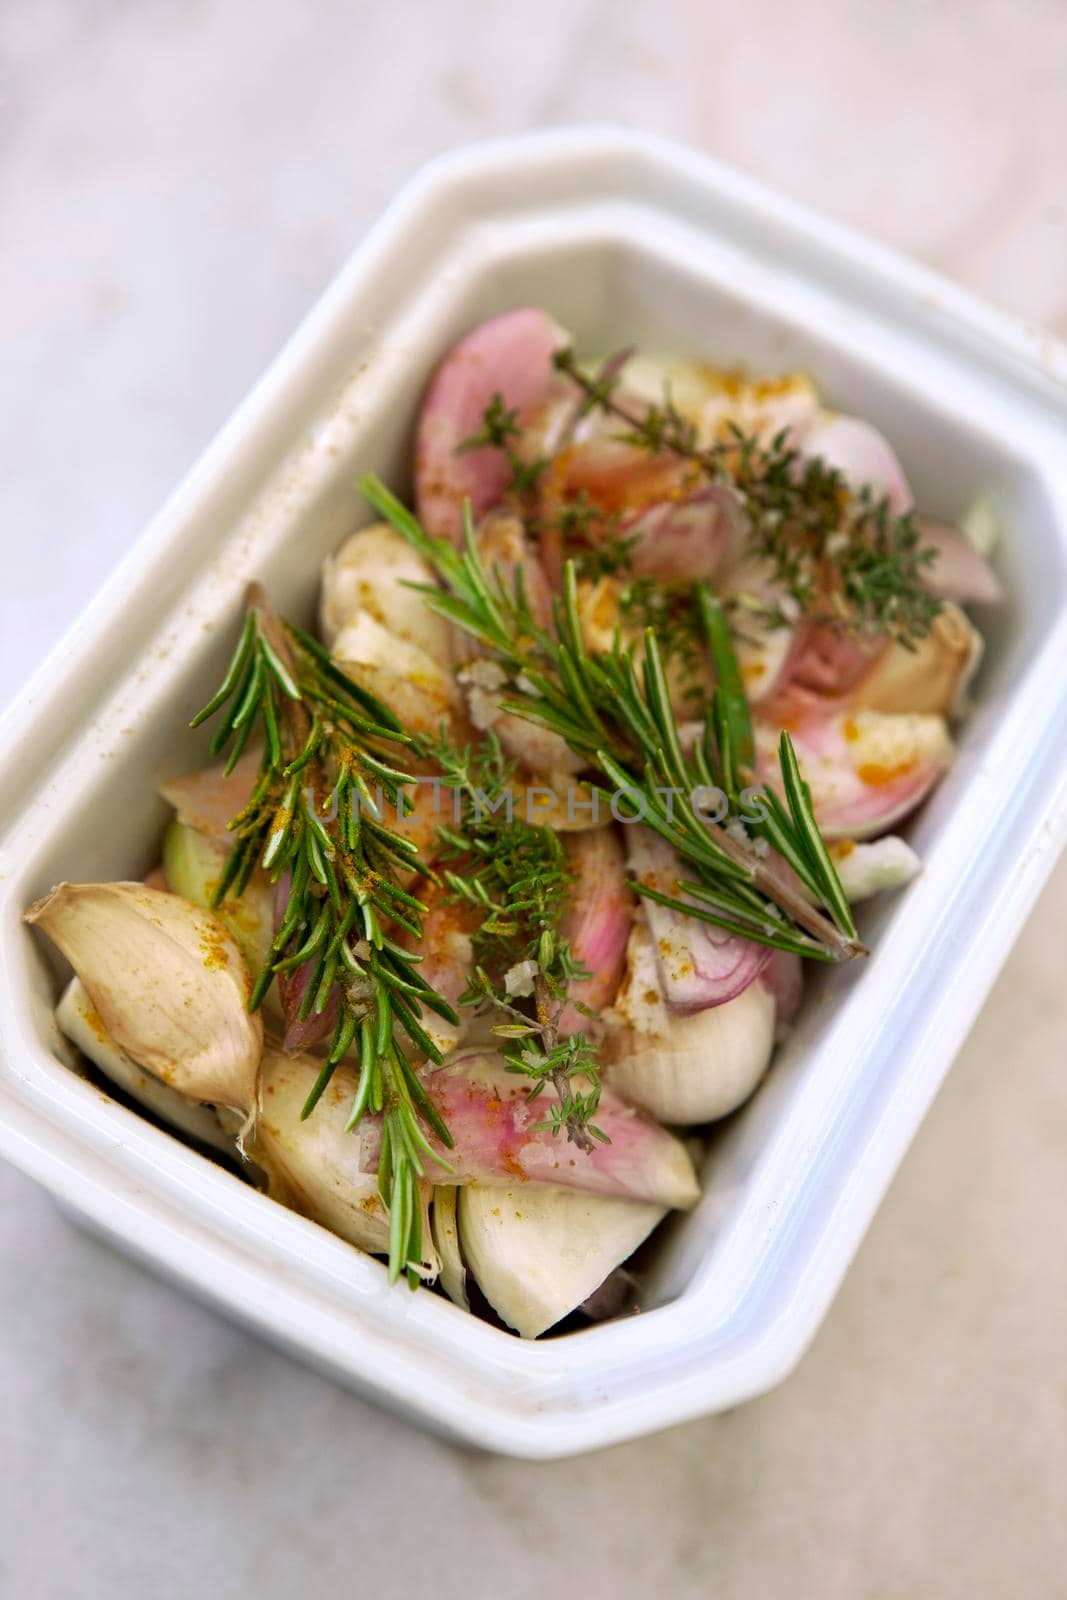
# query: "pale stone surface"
{"points": [[179, 181]]}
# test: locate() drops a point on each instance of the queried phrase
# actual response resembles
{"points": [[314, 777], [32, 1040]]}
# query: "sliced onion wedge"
{"points": [[685, 1069], [866, 769], [597, 922], [497, 1141], [698, 965], [538, 1252]]}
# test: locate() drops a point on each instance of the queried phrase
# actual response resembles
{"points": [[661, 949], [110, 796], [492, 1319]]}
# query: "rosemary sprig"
{"points": [[844, 557], [515, 873], [316, 813], [620, 719]]}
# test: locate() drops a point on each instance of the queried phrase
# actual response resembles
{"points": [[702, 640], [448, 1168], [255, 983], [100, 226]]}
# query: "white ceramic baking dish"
{"points": [[626, 240]]}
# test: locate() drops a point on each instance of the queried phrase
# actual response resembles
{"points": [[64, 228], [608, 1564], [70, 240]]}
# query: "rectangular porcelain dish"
{"points": [[624, 239]]}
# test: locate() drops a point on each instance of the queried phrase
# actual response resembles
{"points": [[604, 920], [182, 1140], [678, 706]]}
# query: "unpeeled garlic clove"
{"points": [[167, 981], [415, 685], [79, 1021], [193, 864], [929, 676], [315, 1165]]}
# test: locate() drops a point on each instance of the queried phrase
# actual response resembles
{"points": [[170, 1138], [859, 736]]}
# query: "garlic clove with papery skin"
{"points": [[315, 1164], [167, 981], [538, 1252], [79, 1022]]}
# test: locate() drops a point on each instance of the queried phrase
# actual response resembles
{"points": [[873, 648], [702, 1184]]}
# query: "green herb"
{"points": [[499, 431], [670, 610], [843, 557], [516, 874], [312, 814], [621, 721]]}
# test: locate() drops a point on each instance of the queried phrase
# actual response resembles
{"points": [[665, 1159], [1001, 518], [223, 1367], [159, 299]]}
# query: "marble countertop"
{"points": [[179, 181]]}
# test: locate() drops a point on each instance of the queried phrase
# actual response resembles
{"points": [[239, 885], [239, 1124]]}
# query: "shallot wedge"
{"points": [[686, 538], [960, 571], [301, 1032], [370, 573], [538, 1252], [783, 976], [314, 1164], [699, 965], [685, 1069], [596, 924], [167, 982], [866, 769], [447, 960], [498, 1141], [510, 356], [862, 455]]}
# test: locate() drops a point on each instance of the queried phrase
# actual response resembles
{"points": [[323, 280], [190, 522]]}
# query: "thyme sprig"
{"points": [[515, 874], [842, 556], [619, 718], [316, 813]]}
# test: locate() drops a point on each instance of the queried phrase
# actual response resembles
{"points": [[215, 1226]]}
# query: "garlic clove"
{"points": [[415, 685], [867, 869], [453, 1278], [370, 573], [81, 1024], [930, 676], [167, 981], [316, 1165], [538, 1252], [685, 1069]]}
